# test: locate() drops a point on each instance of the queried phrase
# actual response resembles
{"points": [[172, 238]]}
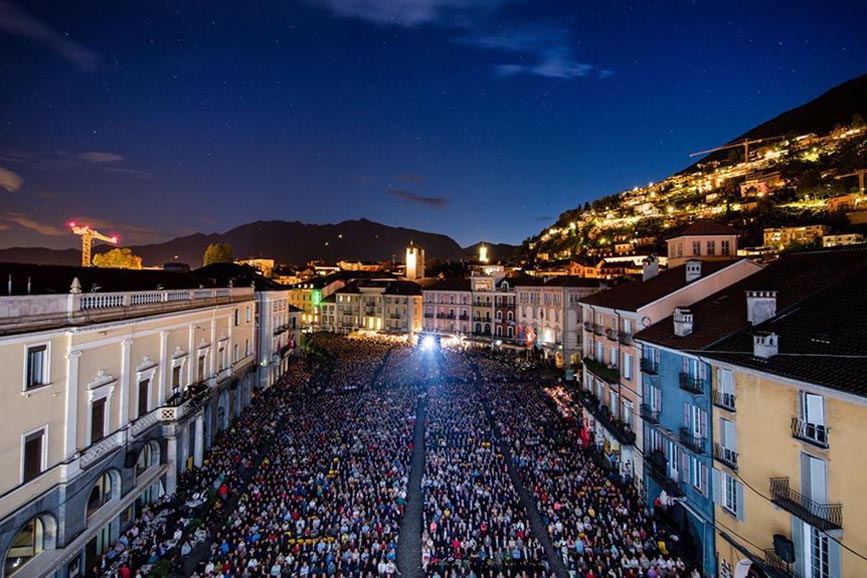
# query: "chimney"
{"points": [[761, 306], [693, 270], [682, 322], [765, 345], [650, 267]]}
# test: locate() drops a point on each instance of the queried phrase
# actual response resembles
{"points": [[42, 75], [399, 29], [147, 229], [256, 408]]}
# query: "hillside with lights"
{"points": [[804, 167]]}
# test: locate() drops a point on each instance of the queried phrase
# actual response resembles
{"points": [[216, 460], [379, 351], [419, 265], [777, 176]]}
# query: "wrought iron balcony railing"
{"points": [[608, 374], [821, 516], [691, 383], [813, 433], [724, 400], [726, 455], [649, 414], [691, 441], [650, 366]]}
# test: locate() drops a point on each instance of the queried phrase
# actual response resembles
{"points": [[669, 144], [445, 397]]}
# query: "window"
{"points": [[97, 420], [176, 378], [695, 419], [246, 347], [729, 494], [679, 249], [613, 356], [614, 405], [627, 366], [696, 247], [248, 314], [237, 355], [813, 415], [238, 316], [818, 560], [100, 494], [655, 398], [725, 248], [200, 368], [28, 543], [33, 455], [711, 247], [37, 366], [144, 390], [146, 458], [221, 358], [628, 411]]}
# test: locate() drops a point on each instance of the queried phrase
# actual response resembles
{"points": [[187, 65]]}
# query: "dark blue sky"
{"points": [[474, 118]]}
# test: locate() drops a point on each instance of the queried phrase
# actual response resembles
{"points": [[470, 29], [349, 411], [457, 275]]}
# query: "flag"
{"points": [[531, 337]]}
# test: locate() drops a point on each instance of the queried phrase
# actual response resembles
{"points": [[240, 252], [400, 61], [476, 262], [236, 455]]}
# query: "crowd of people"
{"points": [[599, 527], [312, 479], [474, 522], [329, 495]]}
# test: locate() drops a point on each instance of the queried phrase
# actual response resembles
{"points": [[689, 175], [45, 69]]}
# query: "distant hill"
{"points": [[290, 242], [820, 115], [496, 251]]}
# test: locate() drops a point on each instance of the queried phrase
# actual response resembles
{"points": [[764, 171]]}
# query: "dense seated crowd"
{"points": [[330, 493], [312, 480], [474, 521], [600, 528]]}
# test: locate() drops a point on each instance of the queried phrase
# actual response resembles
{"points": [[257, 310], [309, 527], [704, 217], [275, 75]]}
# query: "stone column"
{"points": [[124, 382], [199, 449], [172, 462], [165, 364], [70, 440]]}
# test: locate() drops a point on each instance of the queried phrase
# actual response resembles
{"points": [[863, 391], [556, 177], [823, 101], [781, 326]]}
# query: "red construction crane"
{"points": [[744, 143], [87, 236]]}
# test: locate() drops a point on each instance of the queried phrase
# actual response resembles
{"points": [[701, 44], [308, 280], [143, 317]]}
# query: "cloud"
{"points": [[548, 46], [407, 13], [9, 180], [65, 161], [100, 157], [27, 222], [416, 198], [18, 23], [543, 49], [411, 178]]}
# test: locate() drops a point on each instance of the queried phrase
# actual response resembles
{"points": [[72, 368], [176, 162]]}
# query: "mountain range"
{"points": [[290, 242]]}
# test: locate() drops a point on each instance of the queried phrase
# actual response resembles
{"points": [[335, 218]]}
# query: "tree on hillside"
{"points": [[218, 253], [119, 258]]}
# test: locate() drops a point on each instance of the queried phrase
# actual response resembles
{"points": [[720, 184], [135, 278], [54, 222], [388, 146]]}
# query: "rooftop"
{"points": [[636, 294], [822, 340], [795, 277], [703, 227]]}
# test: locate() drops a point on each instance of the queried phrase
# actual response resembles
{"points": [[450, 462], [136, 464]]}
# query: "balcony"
{"points": [[691, 383], [102, 448], [811, 433], [428, 315], [625, 338], [822, 516], [724, 400], [598, 329], [588, 326], [178, 405], [650, 366], [620, 430], [607, 374], [691, 441], [464, 317], [725, 455], [649, 414], [611, 334], [657, 467], [775, 567]]}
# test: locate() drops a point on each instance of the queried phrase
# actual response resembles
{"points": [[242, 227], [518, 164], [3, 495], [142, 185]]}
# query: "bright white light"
{"points": [[428, 342]]}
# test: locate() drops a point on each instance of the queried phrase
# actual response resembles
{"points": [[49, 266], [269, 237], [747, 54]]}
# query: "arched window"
{"points": [[31, 540], [100, 494], [510, 316], [147, 457]]}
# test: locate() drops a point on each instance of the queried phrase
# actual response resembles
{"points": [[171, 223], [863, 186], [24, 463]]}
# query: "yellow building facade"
{"points": [[793, 453]]}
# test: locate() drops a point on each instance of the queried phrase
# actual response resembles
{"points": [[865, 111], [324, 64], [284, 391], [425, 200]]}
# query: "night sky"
{"points": [[480, 119]]}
